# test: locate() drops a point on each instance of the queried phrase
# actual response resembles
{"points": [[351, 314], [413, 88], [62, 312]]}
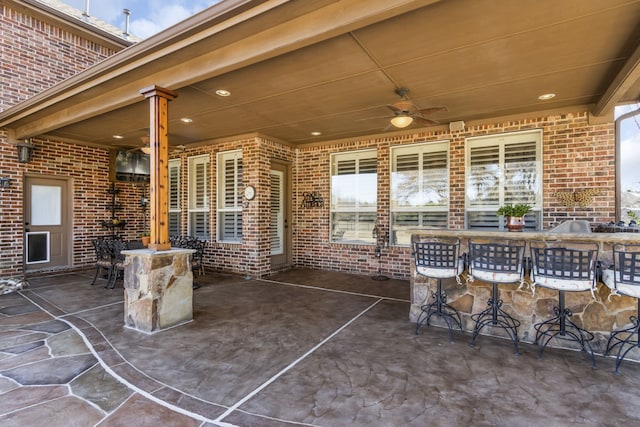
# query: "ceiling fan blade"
{"points": [[432, 110], [425, 121], [394, 108]]}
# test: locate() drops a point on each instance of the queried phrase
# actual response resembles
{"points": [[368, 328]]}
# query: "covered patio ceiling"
{"points": [[297, 67]]}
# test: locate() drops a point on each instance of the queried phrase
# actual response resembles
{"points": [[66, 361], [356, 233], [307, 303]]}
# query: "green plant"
{"points": [[519, 209], [146, 233]]}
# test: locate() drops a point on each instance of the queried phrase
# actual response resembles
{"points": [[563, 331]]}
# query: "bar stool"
{"points": [[497, 262], [565, 267], [439, 260], [624, 279]]}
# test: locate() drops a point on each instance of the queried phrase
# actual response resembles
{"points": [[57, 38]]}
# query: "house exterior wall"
{"points": [[38, 54], [576, 156], [87, 171]]}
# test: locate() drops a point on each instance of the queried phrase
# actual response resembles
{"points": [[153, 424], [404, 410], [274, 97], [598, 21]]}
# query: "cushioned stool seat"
{"points": [[624, 279], [565, 267], [439, 259], [496, 262]]}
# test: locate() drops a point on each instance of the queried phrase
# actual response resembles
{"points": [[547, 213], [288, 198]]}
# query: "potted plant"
{"points": [[514, 215], [145, 238]]}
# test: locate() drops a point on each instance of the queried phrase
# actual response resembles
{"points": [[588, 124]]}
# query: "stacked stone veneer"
{"points": [[599, 315], [158, 289]]}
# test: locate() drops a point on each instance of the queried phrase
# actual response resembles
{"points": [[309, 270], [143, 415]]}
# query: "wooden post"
{"points": [[159, 164]]}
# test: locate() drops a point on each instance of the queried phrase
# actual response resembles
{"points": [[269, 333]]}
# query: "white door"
{"points": [[279, 224]]}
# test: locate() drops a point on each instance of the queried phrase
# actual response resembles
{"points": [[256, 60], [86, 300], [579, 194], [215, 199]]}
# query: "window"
{"points": [[354, 196], [174, 198], [628, 173], [230, 196], [199, 196], [503, 169], [419, 189]]}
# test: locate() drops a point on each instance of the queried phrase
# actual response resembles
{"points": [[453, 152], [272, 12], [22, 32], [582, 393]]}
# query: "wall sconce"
{"points": [[5, 181], [25, 150]]}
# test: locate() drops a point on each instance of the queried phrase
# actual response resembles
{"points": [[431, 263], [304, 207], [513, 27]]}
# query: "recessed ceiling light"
{"points": [[186, 120], [546, 96], [316, 133], [223, 92], [118, 137]]}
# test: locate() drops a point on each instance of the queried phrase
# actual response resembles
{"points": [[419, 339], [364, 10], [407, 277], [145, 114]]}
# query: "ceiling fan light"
{"points": [[401, 121], [146, 150]]}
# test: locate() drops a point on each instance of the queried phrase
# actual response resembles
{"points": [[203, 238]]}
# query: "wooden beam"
{"points": [[159, 164]]}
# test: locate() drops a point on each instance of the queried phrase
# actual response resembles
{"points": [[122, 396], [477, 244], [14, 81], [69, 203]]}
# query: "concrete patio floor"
{"points": [[304, 347]]}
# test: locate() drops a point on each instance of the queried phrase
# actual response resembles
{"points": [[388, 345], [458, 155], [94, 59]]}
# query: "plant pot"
{"points": [[145, 240], [515, 223]]}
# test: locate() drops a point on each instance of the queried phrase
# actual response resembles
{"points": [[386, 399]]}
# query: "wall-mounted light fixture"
{"points": [[5, 182], [25, 151]]}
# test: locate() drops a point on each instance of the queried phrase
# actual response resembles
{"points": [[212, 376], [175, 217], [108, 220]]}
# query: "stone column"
{"points": [[158, 289]]}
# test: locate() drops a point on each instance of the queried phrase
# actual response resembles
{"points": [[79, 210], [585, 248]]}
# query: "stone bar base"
{"points": [[158, 289], [599, 315]]}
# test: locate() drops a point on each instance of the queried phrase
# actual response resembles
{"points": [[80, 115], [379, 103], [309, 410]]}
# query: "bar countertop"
{"points": [[610, 238]]}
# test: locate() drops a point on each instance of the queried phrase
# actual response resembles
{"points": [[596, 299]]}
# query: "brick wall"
{"points": [[252, 256], [87, 171], [576, 156], [36, 55]]}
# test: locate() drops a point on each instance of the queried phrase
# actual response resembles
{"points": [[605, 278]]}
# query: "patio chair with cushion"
{"points": [[565, 267], [624, 279], [439, 260], [497, 262]]}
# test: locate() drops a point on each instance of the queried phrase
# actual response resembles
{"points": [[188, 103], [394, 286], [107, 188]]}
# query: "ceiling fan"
{"points": [[405, 111]]}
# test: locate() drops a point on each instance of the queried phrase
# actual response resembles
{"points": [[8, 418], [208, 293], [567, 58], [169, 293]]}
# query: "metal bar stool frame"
{"points": [[439, 260], [624, 279], [497, 263], [565, 267]]}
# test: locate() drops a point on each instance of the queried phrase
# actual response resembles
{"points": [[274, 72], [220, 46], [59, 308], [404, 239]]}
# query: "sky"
{"points": [[147, 16]]}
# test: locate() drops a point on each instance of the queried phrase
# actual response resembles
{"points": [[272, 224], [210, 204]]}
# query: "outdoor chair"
{"points": [[496, 262], [565, 267], [103, 259], [191, 242], [117, 261], [624, 279], [439, 260]]}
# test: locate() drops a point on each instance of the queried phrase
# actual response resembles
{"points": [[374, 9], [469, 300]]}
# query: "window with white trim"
{"points": [[354, 196], [199, 197], [230, 196], [503, 169], [174, 197], [419, 189]]}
